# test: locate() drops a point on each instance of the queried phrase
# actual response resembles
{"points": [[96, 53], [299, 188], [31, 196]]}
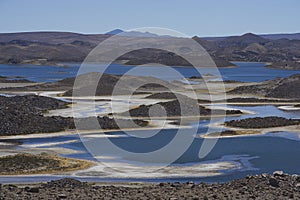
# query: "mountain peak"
{"points": [[114, 32], [250, 35]]}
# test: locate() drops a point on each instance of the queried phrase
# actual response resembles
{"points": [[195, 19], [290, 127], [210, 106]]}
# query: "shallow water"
{"points": [[248, 155]]}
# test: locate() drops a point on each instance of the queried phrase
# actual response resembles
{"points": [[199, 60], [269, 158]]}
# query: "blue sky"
{"points": [[194, 17]]}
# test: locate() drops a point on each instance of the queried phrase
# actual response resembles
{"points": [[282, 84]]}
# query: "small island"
{"points": [[22, 164], [262, 122]]}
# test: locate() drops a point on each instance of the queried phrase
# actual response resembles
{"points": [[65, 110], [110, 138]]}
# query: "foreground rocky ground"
{"points": [[276, 186]]}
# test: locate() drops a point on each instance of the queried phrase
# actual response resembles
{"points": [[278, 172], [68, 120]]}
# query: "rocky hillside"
{"points": [[24, 115], [106, 85], [279, 53], [114, 84], [183, 106], [50, 48], [277, 88]]}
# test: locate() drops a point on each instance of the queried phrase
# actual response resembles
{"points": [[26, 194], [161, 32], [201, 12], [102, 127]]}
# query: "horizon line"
{"points": [[93, 33]]}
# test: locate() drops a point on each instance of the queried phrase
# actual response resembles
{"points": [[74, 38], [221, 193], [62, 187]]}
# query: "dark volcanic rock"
{"points": [[33, 190], [65, 183], [262, 122], [274, 182], [40, 103], [23, 115], [108, 123]]}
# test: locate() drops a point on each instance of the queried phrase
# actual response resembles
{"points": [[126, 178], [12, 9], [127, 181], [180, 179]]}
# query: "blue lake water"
{"points": [[246, 72], [254, 154]]}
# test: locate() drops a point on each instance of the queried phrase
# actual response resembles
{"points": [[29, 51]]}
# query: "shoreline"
{"points": [[75, 131], [68, 64], [256, 131]]}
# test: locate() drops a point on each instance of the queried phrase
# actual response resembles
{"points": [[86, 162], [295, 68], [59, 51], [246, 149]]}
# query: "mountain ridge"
{"points": [[54, 47]]}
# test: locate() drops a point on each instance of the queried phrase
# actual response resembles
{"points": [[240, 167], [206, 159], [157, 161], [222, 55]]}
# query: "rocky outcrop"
{"points": [[262, 122], [277, 88], [180, 107], [108, 123], [38, 163], [24, 115]]}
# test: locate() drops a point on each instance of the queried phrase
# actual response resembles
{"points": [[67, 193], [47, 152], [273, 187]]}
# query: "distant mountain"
{"points": [[290, 36], [52, 37], [134, 33], [54, 47], [278, 53], [140, 34], [243, 40], [114, 32]]}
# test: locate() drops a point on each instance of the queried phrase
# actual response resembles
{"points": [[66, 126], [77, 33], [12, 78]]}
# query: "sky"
{"points": [[191, 17]]}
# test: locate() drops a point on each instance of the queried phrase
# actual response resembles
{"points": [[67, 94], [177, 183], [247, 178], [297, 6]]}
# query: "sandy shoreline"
{"points": [[256, 131]]}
